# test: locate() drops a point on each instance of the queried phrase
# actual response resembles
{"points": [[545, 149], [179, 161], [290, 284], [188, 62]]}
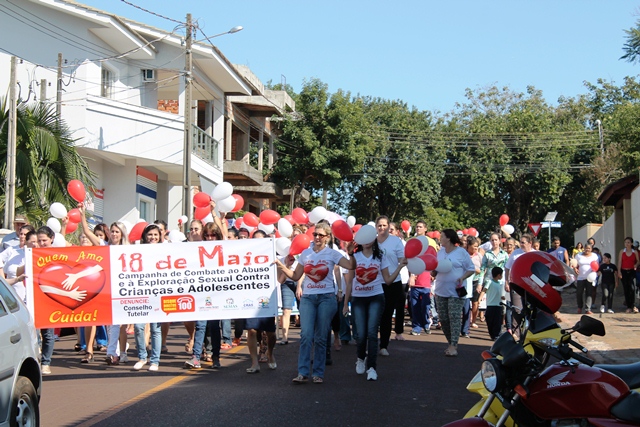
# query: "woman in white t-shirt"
{"points": [[364, 287], [317, 299], [585, 258]]}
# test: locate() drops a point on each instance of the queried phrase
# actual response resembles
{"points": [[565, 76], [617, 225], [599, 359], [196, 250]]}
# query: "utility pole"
{"points": [[600, 136], [10, 180], [188, 119], [43, 91], [59, 88]]}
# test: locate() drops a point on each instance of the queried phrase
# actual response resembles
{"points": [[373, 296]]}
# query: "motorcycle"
{"points": [[521, 385]]}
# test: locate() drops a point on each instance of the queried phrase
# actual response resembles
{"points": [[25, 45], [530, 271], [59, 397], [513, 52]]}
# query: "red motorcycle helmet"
{"points": [[533, 276]]}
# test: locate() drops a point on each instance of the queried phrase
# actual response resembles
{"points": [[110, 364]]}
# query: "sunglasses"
{"points": [[210, 235], [319, 235]]}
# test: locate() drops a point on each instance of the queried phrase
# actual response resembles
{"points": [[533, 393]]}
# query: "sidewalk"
{"points": [[621, 343]]}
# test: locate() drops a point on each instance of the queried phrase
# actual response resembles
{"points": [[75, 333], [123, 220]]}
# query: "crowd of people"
{"points": [[355, 291]]}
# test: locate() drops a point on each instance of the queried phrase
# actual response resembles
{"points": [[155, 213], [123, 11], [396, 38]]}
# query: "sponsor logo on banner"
{"points": [[247, 303], [263, 302]]}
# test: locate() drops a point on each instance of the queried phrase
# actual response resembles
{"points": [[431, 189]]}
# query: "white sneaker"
{"points": [[383, 352], [372, 375], [46, 370], [602, 309], [610, 311], [153, 367], [360, 367], [124, 358], [139, 364]]}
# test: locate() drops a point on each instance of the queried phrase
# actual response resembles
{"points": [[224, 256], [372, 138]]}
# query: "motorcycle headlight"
{"points": [[492, 375]]}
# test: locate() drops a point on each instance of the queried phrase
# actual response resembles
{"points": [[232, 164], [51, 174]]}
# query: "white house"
{"points": [[122, 92]]}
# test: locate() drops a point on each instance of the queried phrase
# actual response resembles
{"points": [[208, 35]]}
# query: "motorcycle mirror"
{"points": [[588, 326]]}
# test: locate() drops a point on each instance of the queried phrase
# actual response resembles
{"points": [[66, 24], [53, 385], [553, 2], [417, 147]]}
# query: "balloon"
{"points": [[58, 241], [58, 210], [201, 213], [74, 215], [351, 221], [430, 234], [71, 227], [373, 224], [426, 242], [251, 219], [367, 234], [127, 225], [342, 231], [201, 200], [460, 233], [508, 229], [267, 228], [76, 190], [444, 266], [222, 191], [594, 265], [269, 216], [310, 231], [299, 244], [239, 223], [317, 214], [177, 236], [183, 220], [406, 225], [239, 202], [207, 219], [430, 261], [300, 216], [591, 277], [54, 225], [504, 220], [436, 234], [412, 249], [290, 219], [284, 227], [136, 232], [416, 266], [226, 204], [282, 246], [573, 263], [465, 232], [356, 227], [431, 251]]}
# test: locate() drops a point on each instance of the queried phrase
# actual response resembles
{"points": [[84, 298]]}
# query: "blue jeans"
{"points": [[156, 341], [420, 309], [466, 317], [214, 330], [316, 312], [225, 324], [367, 312], [345, 323], [47, 345]]}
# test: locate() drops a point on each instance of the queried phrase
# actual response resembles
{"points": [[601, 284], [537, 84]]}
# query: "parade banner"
{"points": [[105, 285]]}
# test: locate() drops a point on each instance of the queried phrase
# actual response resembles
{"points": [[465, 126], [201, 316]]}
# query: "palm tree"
{"points": [[632, 46], [46, 160]]}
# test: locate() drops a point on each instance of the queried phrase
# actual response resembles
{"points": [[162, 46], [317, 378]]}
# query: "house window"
{"points": [[147, 208], [107, 80]]}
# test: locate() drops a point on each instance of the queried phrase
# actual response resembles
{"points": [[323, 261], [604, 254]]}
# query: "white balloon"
{"points": [[128, 226], [371, 223], [58, 241], [366, 234], [222, 191], [208, 218], [332, 217], [508, 228], [285, 228], [227, 204], [351, 221], [282, 245], [54, 225], [416, 265], [425, 244], [140, 220], [177, 236], [183, 220], [58, 210], [573, 262], [317, 214], [591, 277], [266, 228], [444, 266]]}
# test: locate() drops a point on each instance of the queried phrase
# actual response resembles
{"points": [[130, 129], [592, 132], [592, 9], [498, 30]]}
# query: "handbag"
{"points": [[461, 291]]}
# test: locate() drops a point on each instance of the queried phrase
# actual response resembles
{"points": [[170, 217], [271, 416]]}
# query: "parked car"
{"points": [[20, 375]]}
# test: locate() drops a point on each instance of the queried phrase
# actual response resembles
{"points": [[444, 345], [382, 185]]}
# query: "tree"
{"points": [[631, 48], [46, 159]]}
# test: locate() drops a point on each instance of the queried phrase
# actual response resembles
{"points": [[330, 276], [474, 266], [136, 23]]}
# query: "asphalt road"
{"points": [[417, 386]]}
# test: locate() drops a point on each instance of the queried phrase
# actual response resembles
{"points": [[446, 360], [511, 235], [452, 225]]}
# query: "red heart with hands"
{"points": [[88, 287], [317, 273], [366, 275]]}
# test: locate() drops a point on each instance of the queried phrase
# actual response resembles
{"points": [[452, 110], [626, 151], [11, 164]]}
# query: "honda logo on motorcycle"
{"points": [[556, 380]]}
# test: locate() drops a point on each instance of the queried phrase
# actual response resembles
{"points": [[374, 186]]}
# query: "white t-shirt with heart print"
{"points": [[318, 270], [368, 279]]}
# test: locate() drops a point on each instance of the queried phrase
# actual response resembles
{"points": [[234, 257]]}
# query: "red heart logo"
{"points": [[366, 275], [317, 273], [90, 286]]}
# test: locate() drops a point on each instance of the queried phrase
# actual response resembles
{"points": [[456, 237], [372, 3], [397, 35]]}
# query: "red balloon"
{"points": [[310, 231], [269, 217], [299, 244], [342, 231], [136, 231], [290, 219], [251, 219], [432, 251], [430, 261], [74, 215], [239, 223], [504, 220], [594, 265], [201, 200], [76, 190], [300, 216], [201, 213], [356, 228], [413, 248], [406, 225], [436, 234], [239, 202], [465, 232], [71, 227], [473, 232]]}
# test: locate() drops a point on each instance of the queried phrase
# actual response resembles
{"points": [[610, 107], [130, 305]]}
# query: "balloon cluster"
{"points": [[58, 211], [593, 275], [421, 255], [225, 200], [505, 226]]}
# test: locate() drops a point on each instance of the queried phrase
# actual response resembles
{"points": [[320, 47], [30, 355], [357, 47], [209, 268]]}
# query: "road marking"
{"points": [[165, 385]]}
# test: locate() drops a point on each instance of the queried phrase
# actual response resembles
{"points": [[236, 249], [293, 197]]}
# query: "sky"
{"points": [[422, 52]]}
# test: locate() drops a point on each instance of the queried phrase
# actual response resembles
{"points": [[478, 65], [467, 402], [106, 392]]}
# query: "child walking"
{"points": [[494, 291], [609, 279]]}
